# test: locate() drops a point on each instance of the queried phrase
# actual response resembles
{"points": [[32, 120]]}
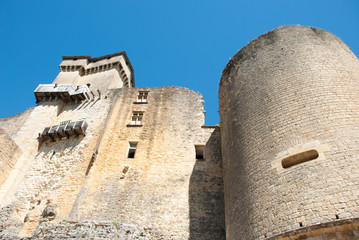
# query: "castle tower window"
{"points": [[199, 152], [142, 96], [299, 158], [132, 150], [137, 118]]}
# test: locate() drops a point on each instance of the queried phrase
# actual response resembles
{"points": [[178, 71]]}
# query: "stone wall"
{"points": [[291, 90], [102, 73], [26, 138], [206, 200], [90, 178], [13, 124], [87, 230], [163, 187], [51, 172], [9, 153]]}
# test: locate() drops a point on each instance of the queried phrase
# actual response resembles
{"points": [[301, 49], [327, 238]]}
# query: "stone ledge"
{"points": [[140, 102], [209, 126]]}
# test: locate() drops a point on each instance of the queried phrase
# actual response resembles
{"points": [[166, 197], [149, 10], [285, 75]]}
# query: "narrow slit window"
{"points": [[142, 96], [199, 152], [299, 158], [132, 150]]}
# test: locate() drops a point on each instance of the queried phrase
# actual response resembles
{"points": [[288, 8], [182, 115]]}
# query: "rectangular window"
{"points": [[132, 150], [199, 152], [142, 96], [137, 118], [64, 122]]}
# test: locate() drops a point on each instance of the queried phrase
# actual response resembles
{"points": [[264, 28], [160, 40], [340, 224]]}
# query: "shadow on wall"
{"points": [[59, 146], [206, 200]]}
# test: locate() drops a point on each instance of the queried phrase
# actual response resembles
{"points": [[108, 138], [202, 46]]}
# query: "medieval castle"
{"points": [[98, 158]]}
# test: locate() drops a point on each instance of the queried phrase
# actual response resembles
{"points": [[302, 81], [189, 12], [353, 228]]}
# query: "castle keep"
{"points": [[97, 158]]}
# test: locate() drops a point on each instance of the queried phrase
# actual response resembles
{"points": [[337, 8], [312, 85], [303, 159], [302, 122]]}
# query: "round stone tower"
{"points": [[289, 105]]}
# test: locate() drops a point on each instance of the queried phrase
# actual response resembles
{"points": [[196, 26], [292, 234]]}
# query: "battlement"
{"points": [[101, 73], [87, 65]]}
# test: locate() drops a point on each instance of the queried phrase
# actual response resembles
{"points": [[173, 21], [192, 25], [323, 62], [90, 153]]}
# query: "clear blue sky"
{"points": [[169, 43]]}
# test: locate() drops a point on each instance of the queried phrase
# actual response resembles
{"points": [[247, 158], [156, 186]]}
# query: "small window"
{"points": [[132, 150], [65, 122], [137, 118], [299, 158], [142, 96], [199, 152]]}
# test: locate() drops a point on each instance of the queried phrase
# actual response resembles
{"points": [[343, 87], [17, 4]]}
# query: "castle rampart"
{"points": [[101, 73], [9, 153], [139, 156], [290, 125]]}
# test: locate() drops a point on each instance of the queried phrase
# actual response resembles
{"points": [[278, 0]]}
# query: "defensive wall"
{"points": [[145, 160], [9, 153], [290, 125]]}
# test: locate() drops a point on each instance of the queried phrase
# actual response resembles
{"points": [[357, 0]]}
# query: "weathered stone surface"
{"points": [[10, 221], [9, 153], [163, 188], [50, 211], [290, 90], [13, 124], [86, 230], [102, 73]]}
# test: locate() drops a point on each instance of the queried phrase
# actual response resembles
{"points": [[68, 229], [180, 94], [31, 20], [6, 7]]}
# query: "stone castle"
{"points": [[98, 158]]}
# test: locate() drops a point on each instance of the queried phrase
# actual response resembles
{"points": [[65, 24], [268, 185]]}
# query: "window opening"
{"points": [[199, 152], [142, 96], [132, 150], [65, 122], [137, 118], [299, 158]]}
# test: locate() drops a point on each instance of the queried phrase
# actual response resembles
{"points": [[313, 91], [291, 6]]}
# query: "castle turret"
{"points": [[83, 77], [105, 72], [290, 132]]}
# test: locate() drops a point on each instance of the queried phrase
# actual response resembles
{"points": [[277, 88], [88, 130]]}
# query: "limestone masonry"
{"points": [[98, 158]]}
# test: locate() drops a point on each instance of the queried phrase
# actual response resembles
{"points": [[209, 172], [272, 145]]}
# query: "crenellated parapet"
{"points": [[100, 74], [85, 65]]}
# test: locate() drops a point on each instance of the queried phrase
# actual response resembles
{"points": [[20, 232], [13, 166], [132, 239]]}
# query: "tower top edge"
{"points": [[85, 60], [286, 34], [90, 59]]}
